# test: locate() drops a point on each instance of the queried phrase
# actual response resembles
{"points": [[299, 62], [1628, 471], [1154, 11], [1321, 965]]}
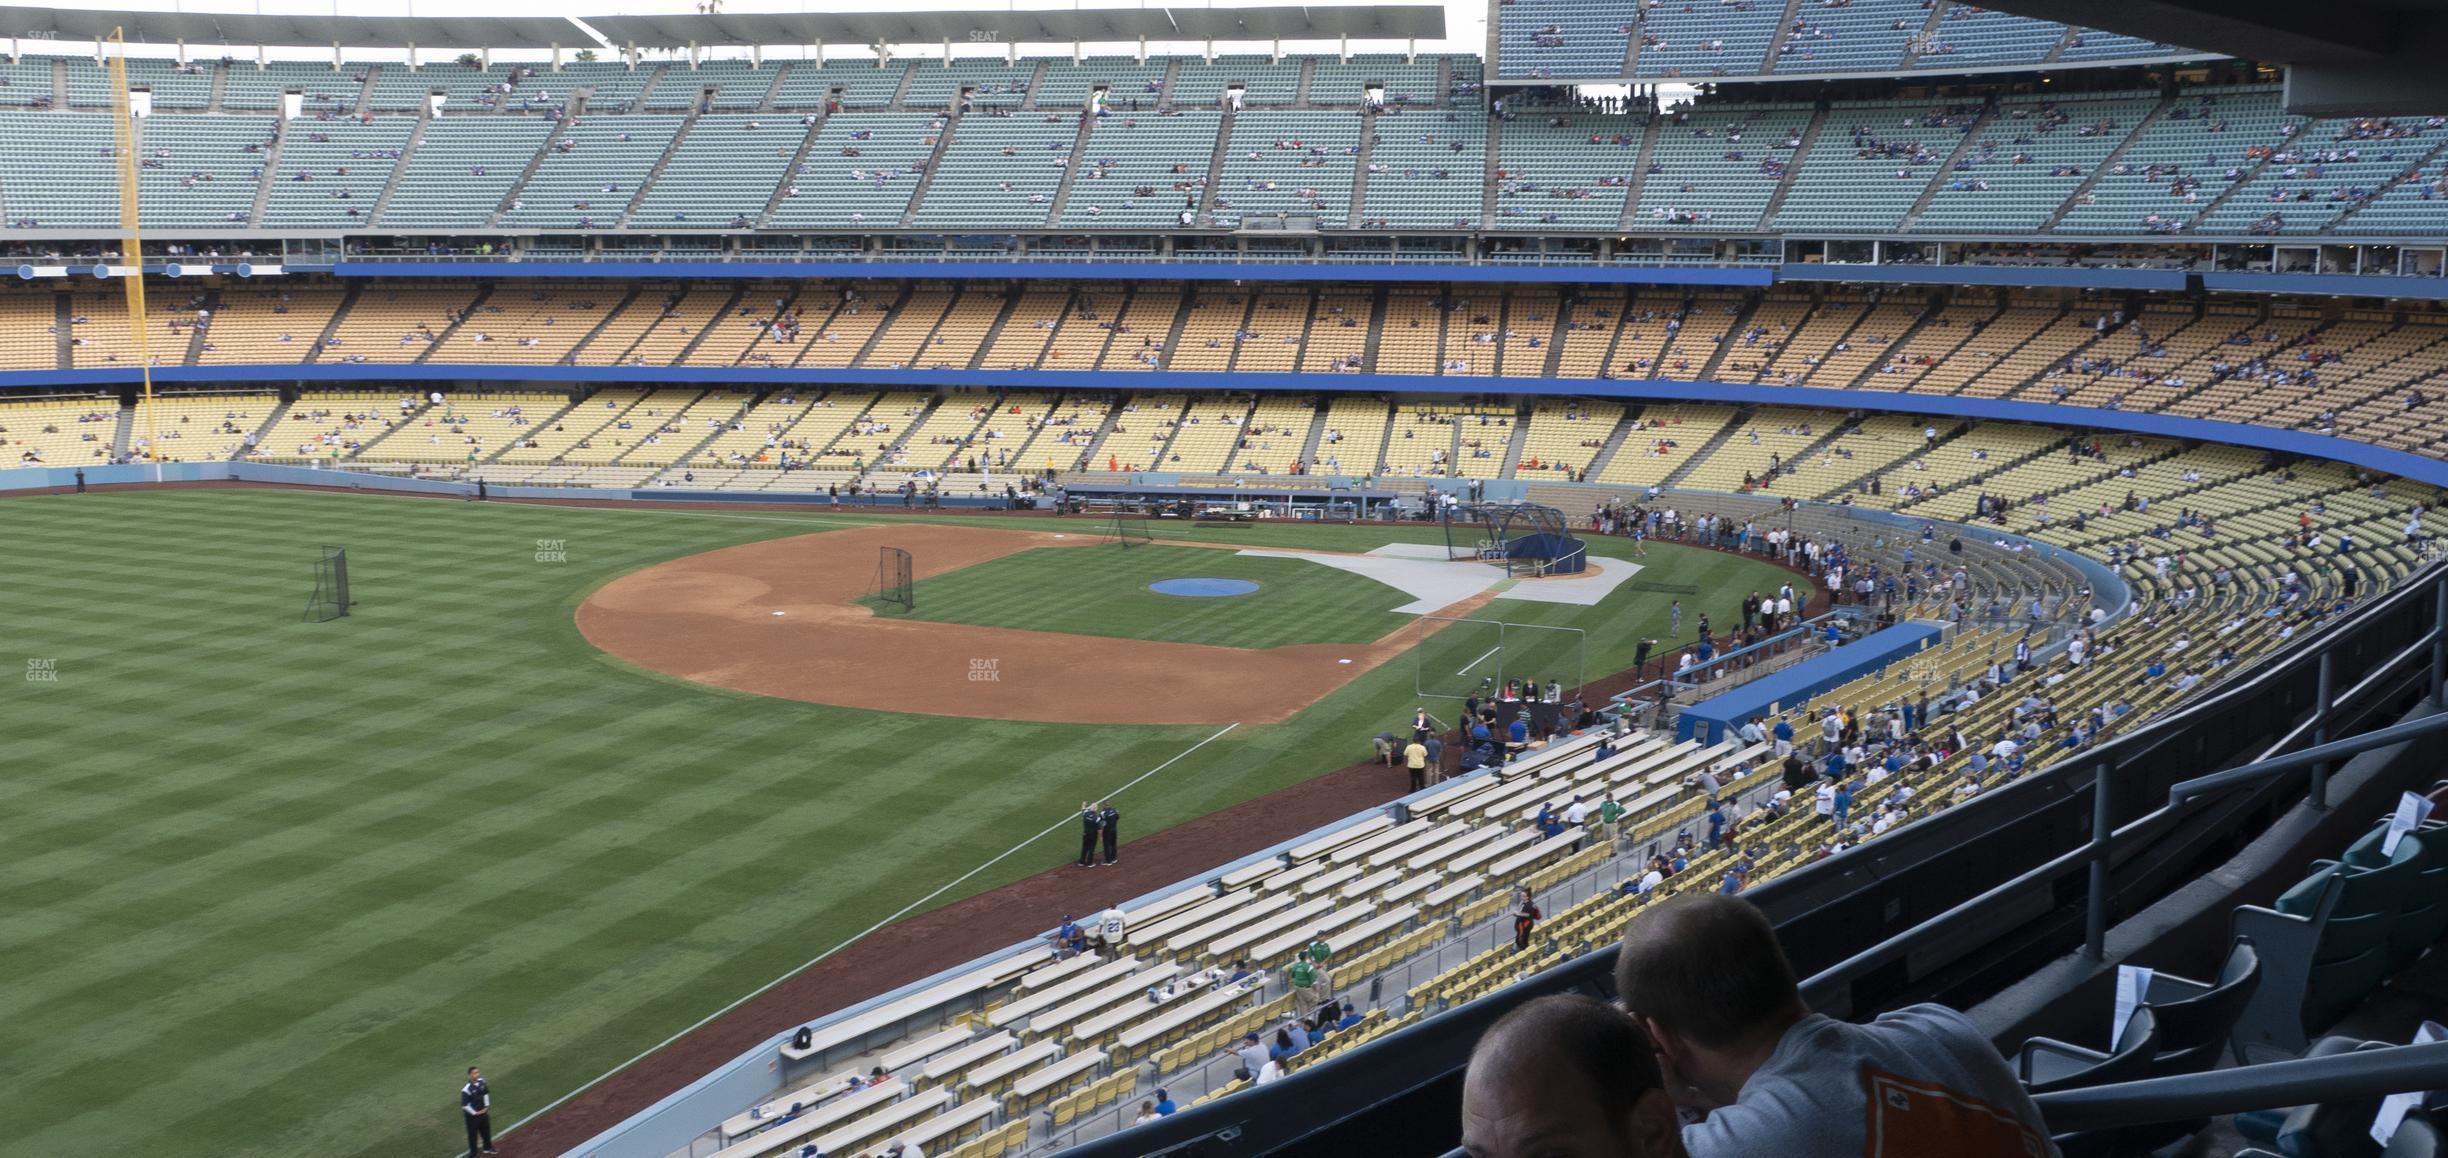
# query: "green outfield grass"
{"points": [[1103, 590], [272, 885]]}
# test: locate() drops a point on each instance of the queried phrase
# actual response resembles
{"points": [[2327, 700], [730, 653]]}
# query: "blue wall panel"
{"points": [[1715, 718]]}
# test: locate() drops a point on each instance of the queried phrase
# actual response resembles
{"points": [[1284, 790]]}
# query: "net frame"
{"points": [[894, 584], [330, 599]]}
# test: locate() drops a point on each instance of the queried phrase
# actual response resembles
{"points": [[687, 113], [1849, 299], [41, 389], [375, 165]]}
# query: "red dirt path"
{"points": [[710, 618]]}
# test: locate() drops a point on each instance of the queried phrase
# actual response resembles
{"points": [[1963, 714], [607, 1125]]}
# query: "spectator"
{"points": [[1566, 1075], [1253, 1057], [1708, 982], [1164, 1103], [1415, 758], [1284, 1046], [1526, 916]]}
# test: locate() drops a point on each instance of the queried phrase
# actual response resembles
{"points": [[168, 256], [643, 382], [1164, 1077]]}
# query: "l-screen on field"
{"points": [[265, 870]]}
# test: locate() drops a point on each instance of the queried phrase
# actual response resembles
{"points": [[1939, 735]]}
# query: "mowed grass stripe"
{"points": [[330, 861]]}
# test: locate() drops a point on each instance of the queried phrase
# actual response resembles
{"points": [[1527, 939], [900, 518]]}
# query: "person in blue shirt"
{"points": [[1517, 737], [2155, 670], [1351, 1018], [1549, 824], [1834, 635], [1164, 1104], [1835, 763], [1716, 821], [1844, 802], [1783, 734], [1895, 762]]}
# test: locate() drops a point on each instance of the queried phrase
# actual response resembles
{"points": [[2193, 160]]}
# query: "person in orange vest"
{"points": [[1525, 917]]}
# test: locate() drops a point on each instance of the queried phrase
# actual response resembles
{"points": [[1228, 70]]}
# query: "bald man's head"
{"points": [[1564, 1077]]}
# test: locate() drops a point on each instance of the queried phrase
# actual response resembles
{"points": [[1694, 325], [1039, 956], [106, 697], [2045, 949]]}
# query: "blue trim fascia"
{"points": [[2296, 442], [2331, 284], [2162, 280], [1262, 271]]}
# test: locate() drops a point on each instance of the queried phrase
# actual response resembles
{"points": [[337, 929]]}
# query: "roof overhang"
{"points": [[2343, 57]]}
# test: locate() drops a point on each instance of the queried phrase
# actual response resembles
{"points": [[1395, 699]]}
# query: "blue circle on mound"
{"points": [[1203, 588]]}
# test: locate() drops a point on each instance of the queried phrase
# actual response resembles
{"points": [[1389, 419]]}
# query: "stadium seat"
{"points": [[2197, 1020], [2324, 947]]}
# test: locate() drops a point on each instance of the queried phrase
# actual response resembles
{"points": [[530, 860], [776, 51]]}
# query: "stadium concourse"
{"points": [[2087, 361]]}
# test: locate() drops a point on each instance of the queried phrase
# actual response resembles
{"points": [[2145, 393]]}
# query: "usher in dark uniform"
{"points": [[1088, 835], [476, 1105], [1111, 821]]}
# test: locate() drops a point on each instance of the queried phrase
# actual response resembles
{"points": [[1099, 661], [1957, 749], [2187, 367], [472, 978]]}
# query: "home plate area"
{"points": [[1434, 581]]}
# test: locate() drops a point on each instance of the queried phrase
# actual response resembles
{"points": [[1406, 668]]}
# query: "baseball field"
{"points": [[569, 779]]}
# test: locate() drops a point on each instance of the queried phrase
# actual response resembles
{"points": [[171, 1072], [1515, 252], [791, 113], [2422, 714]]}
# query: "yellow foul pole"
{"points": [[131, 246]]}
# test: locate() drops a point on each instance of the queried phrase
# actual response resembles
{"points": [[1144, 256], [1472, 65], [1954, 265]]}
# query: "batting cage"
{"points": [[330, 600], [1457, 658], [893, 589], [1523, 538], [1129, 528]]}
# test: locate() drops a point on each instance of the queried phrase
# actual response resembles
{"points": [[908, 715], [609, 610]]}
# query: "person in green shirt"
{"points": [[1608, 814], [1319, 950], [1310, 981]]}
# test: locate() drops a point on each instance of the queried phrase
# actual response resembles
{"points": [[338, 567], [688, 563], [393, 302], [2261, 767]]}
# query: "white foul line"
{"points": [[1465, 669], [855, 938]]}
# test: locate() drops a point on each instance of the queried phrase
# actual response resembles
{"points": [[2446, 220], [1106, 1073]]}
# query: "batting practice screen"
{"points": [[331, 588], [1458, 658], [893, 587]]}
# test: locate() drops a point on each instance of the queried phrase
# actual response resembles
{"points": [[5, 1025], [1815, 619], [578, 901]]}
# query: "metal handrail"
{"points": [[2186, 791], [2367, 1073]]}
